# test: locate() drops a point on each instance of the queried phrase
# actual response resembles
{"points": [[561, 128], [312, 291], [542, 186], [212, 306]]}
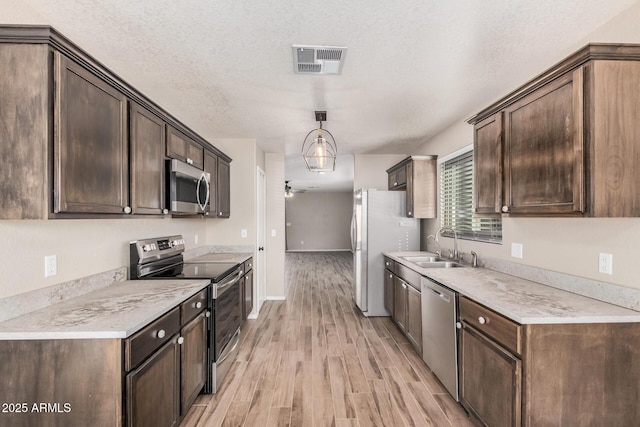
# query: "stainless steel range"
{"points": [[161, 258]]}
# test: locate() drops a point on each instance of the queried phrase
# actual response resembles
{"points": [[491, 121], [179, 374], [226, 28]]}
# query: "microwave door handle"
{"points": [[200, 204], [206, 202]]}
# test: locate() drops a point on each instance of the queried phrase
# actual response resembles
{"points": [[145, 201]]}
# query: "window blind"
{"points": [[456, 202]]}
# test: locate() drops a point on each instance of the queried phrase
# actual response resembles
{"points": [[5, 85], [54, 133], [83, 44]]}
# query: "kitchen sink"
{"points": [[422, 258], [438, 264]]}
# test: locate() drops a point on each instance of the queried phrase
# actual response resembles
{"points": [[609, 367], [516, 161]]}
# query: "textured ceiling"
{"points": [[413, 67]]}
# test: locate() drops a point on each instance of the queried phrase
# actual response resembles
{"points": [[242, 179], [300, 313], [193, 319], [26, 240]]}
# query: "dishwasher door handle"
{"points": [[440, 294]]}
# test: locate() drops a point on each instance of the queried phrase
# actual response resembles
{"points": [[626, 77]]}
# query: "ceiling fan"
{"points": [[288, 191]]}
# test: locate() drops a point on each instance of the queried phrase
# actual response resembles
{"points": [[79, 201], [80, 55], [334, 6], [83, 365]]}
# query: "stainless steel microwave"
{"points": [[188, 189]]}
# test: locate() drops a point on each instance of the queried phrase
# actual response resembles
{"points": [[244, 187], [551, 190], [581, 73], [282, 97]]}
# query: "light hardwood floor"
{"points": [[314, 360]]}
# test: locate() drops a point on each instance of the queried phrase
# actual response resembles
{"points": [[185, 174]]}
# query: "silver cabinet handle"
{"points": [[505, 209], [198, 304], [161, 333], [180, 340], [482, 320], [127, 209]]}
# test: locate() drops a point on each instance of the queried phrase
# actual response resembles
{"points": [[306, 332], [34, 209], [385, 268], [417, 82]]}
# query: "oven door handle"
{"points": [[235, 339], [221, 288]]}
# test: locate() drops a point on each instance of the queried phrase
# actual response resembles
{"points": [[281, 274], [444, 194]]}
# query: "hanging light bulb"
{"points": [[320, 152]]}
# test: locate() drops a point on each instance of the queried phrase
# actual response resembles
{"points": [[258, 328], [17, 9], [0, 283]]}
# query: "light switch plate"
{"points": [[516, 250], [273, 233], [195, 239], [243, 233]]}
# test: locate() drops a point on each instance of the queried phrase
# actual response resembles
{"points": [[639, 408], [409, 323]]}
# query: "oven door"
{"points": [[187, 188], [227, 313]]}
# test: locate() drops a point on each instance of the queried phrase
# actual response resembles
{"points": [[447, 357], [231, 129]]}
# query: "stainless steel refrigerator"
{"points": [[379, 225]]}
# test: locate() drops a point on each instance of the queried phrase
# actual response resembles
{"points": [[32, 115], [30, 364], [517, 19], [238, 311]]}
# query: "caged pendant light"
{"points": [[319, 148]]}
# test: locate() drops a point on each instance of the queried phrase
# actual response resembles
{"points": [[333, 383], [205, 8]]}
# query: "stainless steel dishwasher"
{"points": [[439, 333]]}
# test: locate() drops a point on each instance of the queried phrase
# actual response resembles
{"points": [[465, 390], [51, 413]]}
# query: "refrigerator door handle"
{"points": [[353, 232]]}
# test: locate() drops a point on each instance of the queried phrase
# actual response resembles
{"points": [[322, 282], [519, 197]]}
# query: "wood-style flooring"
{"points": [[315, 360]]}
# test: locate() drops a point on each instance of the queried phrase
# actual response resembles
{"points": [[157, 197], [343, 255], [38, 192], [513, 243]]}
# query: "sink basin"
{"points": [[438, 264], [422, 258]]}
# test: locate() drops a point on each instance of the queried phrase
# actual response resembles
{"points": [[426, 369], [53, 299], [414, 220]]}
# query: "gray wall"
{"points": [[319, 221]]}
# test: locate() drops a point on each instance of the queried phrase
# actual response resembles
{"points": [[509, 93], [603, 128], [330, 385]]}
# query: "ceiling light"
{"points": [[319, 148]]}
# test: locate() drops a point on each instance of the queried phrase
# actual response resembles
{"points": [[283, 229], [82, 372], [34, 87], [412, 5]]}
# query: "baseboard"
{"points": [[252, 316], [319, 250], [282, 298]]}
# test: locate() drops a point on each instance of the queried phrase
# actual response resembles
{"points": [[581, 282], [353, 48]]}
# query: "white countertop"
{"points": [[523, 301], [236, 257], [116, 311]]}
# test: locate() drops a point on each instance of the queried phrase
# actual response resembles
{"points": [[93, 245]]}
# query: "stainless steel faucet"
{"points": [[455, 239], [439, 251]]}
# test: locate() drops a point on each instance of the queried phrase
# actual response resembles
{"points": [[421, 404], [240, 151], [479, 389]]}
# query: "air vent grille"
{"points": [[318, 59]]}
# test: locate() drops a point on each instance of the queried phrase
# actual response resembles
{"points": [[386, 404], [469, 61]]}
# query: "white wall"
{"points": [[567, 245], [319, 221], [369, 170], [275, 243]]}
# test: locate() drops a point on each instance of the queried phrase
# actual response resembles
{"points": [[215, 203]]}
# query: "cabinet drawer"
{"points": [[194, 305], [494, 325], [144, 342], [389, 264], [248, 265], [408, 275]]}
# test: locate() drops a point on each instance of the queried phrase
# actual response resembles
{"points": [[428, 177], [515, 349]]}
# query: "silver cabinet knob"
{"points": [[165, 211], [395, 183], [127, 209], [198, 304], [180, 340], [458, 325], [404, 286], [161, 333], [220, 214], [505, 209], [207, 314], [482, 320], [390, 276], [409, 213]]}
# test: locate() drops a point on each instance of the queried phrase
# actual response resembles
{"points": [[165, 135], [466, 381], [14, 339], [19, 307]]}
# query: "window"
{"points": [[456, 202]]}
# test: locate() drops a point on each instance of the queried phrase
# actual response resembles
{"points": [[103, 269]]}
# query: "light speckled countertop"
{"points": [[237, 257], [523, 301], [116, 311]]}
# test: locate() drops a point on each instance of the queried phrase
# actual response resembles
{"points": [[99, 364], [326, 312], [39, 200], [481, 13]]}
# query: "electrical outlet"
{"points": [[50, 265], [516, 250], [195, 239], [605, 263], [301, 242], [243, 233], [273, 233]]}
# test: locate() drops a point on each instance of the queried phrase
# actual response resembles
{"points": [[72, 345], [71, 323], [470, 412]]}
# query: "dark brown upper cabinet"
{"points": [[211, 166], [181, 147], [72, 146], [565, 143], [417, 175], [224, 188], [147, 136], [90, 143]]}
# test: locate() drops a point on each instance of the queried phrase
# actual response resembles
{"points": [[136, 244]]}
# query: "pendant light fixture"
{"points": [[319, 148]]}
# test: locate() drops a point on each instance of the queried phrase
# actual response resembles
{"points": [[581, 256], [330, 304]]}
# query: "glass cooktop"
{"points": [[213, 271]]}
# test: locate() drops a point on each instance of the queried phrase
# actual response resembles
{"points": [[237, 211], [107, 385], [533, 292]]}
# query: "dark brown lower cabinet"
{"points": [[407, 310], [193, 359], [388, 292], [153, 391], [247, 295], [490, 380]]}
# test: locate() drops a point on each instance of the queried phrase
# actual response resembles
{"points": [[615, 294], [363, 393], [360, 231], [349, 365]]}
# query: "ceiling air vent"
{"points": [[318, 59]]}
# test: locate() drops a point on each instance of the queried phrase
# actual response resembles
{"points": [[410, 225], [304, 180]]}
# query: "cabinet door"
{"points": [[490, 380], [388, 292], [400, 302], [147, 161], [408, 178], [224, 189], [181, 147], [152, 395], [414, 317], [544, 149], [487, 165], [247, 295], [211, 166], [392, 177], [193, 355], [91, 161]]}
